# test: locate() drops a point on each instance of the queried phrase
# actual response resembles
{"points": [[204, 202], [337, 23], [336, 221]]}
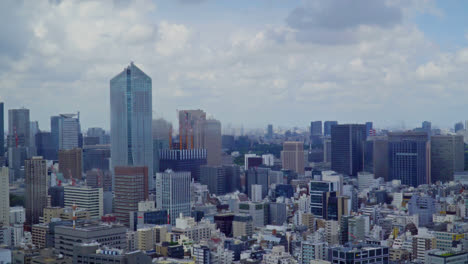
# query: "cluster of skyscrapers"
{"points": [[144, 193]]}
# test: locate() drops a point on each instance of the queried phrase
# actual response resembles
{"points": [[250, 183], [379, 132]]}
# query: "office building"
{"points": [[223, 222], [18, 128], [327, 125], [162, 129], [197, 132], [327, 150], [232, 177], [69, 131], [316, 132], [97, 132], [97, 178], [357, 228], [269, 134], [277, 214], [212, 141], [257, 176], [18, 141], [94, 253], [409, 157], [347, 148], [70, 163], [319, 192], [258, 211], [57, 196], [447, 157], [365, 180], [96, 157], [131, 187], [173, 193], [252, 161], [458, 127], [292, 156], [426, 126], [423, 206], [33, 130], [312, 251], [131, 120], [422, 243], [147, 214], [2, 130], [242, 225], [36, 189], [66, 237], [85, 197], [359, 254], [45, 146], [380, 157], [191, 129], [337, 206], [369, 129], [437, 256], [214, 178], [183, 160], [162, 139], [4, 197]]}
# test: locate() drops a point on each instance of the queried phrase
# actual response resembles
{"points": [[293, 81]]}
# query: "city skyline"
{"points": [[267, 50]]}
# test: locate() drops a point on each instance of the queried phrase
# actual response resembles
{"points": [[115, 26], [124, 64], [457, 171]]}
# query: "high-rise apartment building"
{"points": [[173, 193], [69, 131], [4, 197], [70, 163], [36, 189], [85, 197], [131, 120], [447, 157], [409, 157], [347, 148], [131, 187], [292, 156]]}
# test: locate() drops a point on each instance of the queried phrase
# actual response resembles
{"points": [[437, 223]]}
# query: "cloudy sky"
{"points": [[249, 62]]}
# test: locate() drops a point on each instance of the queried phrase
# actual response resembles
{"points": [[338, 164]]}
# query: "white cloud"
{"points": [[242, 76]]}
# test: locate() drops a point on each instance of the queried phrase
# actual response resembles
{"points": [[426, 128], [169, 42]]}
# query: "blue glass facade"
{"points": [[131, 120], [409, 155]]}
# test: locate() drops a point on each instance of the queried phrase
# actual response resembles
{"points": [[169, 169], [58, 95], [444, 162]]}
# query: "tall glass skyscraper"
{"points": [[131, 120]]}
